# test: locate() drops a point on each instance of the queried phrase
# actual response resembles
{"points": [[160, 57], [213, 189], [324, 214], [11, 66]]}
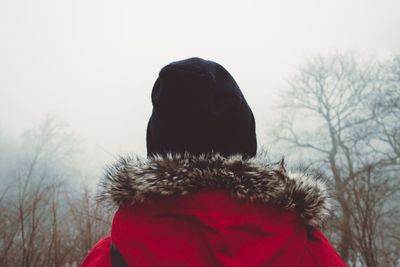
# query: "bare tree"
{"points": [[334, 111], [39, 224], [8, 228], [91, 221]]}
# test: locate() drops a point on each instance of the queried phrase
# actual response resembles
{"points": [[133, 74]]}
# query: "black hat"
{"points": [[198, 108]]}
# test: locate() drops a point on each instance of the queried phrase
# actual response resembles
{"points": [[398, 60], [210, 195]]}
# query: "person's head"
{"points": [[198, 108]]}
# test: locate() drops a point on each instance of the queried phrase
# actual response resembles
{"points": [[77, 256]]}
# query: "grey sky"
{"points": [[94, 62]]}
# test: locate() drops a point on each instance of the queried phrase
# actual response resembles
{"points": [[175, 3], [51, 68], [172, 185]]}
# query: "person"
{"points": [[203, 196]]}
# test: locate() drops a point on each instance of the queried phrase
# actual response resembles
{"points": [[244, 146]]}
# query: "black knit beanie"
{"points": [[198, 108]]}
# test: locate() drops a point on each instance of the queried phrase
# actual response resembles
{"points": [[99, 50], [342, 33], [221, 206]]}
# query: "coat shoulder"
{"points": [[320, 252], [99, 255]]}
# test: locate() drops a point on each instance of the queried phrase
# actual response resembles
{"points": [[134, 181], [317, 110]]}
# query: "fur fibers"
{"points": [[133, 180]]}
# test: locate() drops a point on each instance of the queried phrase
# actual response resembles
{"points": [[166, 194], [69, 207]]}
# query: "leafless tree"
{"points": [[39, 224], [91, 221], [335, 113]]}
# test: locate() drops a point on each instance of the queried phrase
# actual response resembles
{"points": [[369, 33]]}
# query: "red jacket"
{"points": [[214, 211]]}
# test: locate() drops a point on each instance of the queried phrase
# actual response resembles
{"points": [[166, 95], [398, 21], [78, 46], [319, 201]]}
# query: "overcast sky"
{"points": [[94, 62]]}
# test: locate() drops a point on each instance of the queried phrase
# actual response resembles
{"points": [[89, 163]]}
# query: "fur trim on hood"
{"points": [[132, 180]]}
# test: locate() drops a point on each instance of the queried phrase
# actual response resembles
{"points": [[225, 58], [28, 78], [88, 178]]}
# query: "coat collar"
{"points": [[133, 180]]}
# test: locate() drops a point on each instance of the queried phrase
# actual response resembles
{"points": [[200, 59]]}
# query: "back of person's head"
{"points": [[198, 108]]}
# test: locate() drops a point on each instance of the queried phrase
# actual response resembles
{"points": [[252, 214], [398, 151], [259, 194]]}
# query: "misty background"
{"points": [[322, 78], [93, 63]]}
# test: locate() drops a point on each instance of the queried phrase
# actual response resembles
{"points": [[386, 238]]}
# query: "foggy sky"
{"points": [[94, 62]]}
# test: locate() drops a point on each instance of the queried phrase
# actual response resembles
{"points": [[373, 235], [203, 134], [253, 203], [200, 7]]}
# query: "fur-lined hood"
{"points": [[132, 180]]}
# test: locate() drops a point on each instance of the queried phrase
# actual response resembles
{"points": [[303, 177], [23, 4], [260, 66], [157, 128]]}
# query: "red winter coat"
{"points": [[214, 211]]}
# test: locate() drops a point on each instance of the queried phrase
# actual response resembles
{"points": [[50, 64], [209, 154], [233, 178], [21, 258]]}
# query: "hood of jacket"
{"points": [[134, 180], [214, 211]]}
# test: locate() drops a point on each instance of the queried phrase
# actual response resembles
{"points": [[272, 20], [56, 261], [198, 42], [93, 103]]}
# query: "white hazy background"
{"points": [[93, 62]]}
